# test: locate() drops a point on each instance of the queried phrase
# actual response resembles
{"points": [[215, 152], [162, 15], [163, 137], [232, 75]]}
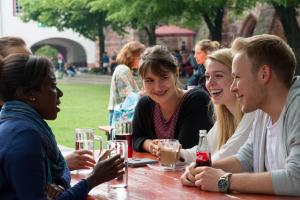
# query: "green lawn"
{"points": [[83, 105]]}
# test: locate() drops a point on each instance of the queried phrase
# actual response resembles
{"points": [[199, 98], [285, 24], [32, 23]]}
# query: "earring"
{"points": [[32, 98]]}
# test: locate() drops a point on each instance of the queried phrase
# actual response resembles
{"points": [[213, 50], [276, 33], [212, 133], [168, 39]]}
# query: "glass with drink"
{"points": [[169, 149], [123, 131], [119, 147], [84, 139]]}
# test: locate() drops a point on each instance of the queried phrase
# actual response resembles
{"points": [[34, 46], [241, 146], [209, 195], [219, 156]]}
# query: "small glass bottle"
{"points": [[203, 156]]}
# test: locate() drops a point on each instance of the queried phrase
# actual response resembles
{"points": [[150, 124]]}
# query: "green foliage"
{"points": [[78, 110], [73, 14], [140, 14], [47, 51]]}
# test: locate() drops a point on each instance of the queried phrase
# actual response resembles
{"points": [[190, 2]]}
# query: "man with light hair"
{"points": [[269, 162]]}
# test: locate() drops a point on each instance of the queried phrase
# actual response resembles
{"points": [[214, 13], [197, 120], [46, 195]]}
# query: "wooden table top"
{"points": [[146, 183]]}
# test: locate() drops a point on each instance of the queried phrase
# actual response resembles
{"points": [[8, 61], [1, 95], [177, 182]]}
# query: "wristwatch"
{"points": [[224, 182]]}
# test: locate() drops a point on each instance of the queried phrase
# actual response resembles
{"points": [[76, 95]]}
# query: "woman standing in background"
{"points": [[122, 81]]}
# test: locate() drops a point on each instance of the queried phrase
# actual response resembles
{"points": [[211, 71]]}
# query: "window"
{"points": [[17, 7]]}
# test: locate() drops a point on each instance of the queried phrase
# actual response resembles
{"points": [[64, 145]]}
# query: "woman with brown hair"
{"points": [[166, 111], [122, 81]]}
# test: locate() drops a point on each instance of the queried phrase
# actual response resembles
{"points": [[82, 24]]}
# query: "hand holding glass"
{"points": [[119, 147], [169, 149]]}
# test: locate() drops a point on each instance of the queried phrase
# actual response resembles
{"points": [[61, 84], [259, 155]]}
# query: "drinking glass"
{"points": [[169, 149], [123, 131], [119, 147], [84, 139]]}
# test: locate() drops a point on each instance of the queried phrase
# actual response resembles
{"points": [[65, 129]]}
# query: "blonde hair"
{"points": [[128, 52], [226, 121], [268, 50], [207, 45], [8, 43]]}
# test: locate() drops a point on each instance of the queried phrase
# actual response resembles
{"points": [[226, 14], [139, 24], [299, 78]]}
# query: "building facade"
{"points": [[74, 47]]}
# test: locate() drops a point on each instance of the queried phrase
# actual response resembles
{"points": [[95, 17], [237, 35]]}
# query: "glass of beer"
{"points": [[84, 139], [169, 149]]}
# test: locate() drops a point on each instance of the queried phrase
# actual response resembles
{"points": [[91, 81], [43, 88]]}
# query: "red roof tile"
{"points": [[173, 31]]}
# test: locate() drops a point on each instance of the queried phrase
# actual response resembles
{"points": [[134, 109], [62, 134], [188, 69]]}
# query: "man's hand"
{"points": [[188, 178], [206, 178]]}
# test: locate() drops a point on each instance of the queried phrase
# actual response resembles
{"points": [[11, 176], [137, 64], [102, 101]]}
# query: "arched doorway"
{"points": [[72, 51]]}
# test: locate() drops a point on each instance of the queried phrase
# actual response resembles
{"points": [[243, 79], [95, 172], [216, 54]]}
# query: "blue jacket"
{"points": [[23, 165]]}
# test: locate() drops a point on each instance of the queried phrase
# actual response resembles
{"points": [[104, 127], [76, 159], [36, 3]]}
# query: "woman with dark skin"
{"points": [[78, 159], [29, 157]]}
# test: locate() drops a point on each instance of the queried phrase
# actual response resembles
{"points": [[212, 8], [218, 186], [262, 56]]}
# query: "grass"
{"points": [[83, 105]]}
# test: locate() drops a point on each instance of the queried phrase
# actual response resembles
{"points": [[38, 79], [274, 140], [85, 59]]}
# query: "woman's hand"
{"points": [[152, 146], [80, 159], [105, 170]]}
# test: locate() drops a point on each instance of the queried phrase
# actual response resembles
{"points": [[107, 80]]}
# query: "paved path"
{"points": [[86, 78], [97, 79]]}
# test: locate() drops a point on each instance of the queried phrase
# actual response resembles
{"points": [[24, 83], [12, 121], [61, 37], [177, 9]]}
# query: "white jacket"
{"points": [[230, 147]]}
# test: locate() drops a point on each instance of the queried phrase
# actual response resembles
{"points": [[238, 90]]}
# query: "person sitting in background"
{"points": [[232, 127], [202, 49], [269, 162], [122, 81], [70, 70], [30, 159], [79, 159], [167, 112]]}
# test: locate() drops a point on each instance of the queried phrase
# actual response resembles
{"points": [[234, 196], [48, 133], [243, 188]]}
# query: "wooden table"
{"points": [[146, 183]]}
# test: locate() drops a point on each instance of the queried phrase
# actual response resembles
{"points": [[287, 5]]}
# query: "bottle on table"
{"points": [[203, 155]]}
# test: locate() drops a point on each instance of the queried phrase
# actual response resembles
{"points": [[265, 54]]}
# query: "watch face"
{"points": [[223, 185]]}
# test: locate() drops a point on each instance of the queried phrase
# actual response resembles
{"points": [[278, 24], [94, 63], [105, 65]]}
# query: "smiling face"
{"points": [[160, 88], [246, 84], [218, 81], [47, 98]]}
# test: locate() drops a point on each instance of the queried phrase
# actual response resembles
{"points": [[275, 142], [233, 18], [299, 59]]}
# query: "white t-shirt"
{"points": [[232, 145], [274, 160]]}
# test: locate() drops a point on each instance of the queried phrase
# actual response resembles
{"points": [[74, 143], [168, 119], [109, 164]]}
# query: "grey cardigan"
{"points": [[285, 181]]}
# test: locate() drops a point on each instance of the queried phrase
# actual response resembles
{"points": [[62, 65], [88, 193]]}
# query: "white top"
{"points": [[230, 147], [274, 160]]}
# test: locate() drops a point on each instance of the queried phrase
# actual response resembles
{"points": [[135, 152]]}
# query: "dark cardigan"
{"points": [[192, 117]]}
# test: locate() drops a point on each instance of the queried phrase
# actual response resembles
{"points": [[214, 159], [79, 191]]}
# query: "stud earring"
{"points": [[32, 98]]}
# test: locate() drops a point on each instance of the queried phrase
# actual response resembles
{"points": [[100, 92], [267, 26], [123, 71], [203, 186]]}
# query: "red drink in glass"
{"points": [[128, 137]]}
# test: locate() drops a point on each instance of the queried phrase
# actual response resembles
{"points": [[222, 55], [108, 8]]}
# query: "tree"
{"points": [[77, 15], [287, 13], [212, 12], [140, 14]]}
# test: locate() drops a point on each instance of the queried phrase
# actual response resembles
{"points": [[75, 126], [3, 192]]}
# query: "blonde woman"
{"points": [[232, 127]]}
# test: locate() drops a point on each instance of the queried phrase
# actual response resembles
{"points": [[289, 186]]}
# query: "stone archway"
{"points": [[72, 51]]}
